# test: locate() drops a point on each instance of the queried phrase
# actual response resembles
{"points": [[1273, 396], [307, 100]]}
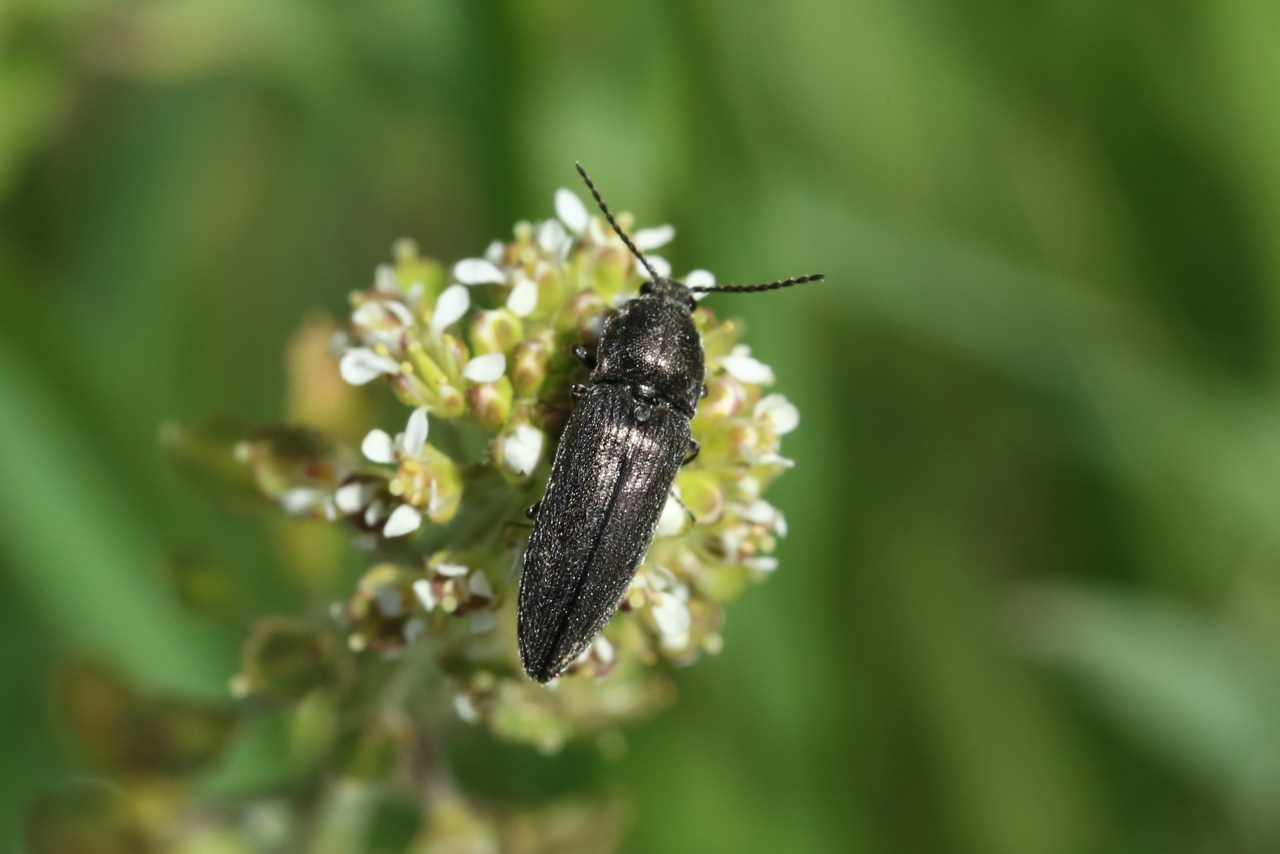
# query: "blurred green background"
{"points": [[1030, 600]]}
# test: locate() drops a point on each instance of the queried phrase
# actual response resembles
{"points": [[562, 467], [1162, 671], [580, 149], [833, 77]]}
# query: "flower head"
{"points": [[481, 354]]}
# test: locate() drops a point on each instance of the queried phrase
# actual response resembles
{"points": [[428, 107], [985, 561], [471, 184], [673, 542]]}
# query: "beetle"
{"points": [[613, 470]]}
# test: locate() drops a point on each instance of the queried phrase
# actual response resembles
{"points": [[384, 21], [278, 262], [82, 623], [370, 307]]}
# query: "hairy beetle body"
{"points": [[612, 473]]}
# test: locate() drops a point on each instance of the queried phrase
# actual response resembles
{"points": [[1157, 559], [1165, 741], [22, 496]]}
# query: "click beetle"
{"points": [[618, 457]]}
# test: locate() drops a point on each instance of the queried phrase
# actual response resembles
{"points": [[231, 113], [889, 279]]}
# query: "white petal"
{"points": [[415, 434], [486, 369], [552, 236], [362, 365], [672, 520], [659, 265], [368, 314], [378, 447], [780, 525], [700, 279], [661, 578], [478, 271], [652, 238], [760, 512], [299, 500], [451, 570], [465, 708], [451, 305], [413, 293], [603, 649], [422, 589], [524, 297], [479, 586], [776, 460], [402, 313], [781, 415], [522, 449], [571, 210], [384, 279], [764, 563], [403, 520], [671, 614], [494, 252], [747, 369], [350, 498]]}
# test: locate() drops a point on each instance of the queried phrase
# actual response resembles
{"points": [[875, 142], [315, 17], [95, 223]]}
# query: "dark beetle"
{"points": [[617, 459]]}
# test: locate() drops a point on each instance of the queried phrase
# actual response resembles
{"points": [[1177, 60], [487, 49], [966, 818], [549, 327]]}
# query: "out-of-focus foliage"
{"points": [[1030, 594]]}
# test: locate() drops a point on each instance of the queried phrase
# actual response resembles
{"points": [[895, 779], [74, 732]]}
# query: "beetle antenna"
{"points": [[746, 289], [605, 209]]}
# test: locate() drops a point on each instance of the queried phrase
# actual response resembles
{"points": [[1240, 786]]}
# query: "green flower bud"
{"points": [[529, 366], [383, 611], [431, 482], [491, 402], [286, 659], [495, 331]]}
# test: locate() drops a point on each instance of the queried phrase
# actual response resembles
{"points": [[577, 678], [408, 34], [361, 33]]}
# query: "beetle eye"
{"points": [[646, 288]]}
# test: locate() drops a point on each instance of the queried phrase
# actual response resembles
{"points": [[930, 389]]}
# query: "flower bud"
{"points": [[725, 398], [429, 481], [529, 366], [491, 402], [701, 493], [382, 608], [495, 331]]}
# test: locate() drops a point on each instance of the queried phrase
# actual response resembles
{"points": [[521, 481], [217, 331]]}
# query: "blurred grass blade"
{"points": [[1178, 681], [79, 555]]}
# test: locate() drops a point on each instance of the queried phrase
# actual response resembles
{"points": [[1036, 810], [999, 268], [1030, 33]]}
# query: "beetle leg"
{"points": [[579, 389], [585, 357], [531, 512], [693, 520], [694, 450]]}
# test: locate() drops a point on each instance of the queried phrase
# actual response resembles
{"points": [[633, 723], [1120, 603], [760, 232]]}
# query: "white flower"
{"points": [[479, 585], [653, 238], [672, 616], [522, 449], [384, 279], [405, 519], [361, 365], [379, 447], [524, 297], [426, 596], [382, 322], [451, 570], [761, 512], [478, 271], [299, 500], [572, 212], [352, 497], [488, 368], [763, 563], [742, 367], [553, 239], [465, 708], [451, 305], [778, 413]]}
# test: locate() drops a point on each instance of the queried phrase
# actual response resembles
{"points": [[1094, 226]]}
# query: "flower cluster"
{"points": [[480, 355]]}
